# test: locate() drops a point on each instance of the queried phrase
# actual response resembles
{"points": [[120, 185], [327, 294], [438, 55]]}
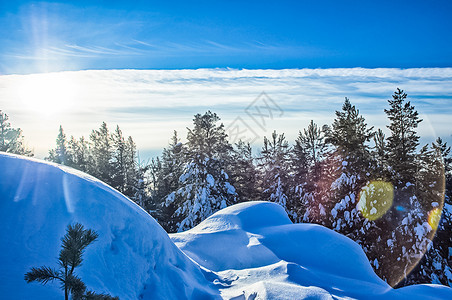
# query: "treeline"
{"points": [[322, 177], [12, 139], [108, 156]]}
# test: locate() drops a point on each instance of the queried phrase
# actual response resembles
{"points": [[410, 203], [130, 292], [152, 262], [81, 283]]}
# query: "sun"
{"points": [[47, 94]]}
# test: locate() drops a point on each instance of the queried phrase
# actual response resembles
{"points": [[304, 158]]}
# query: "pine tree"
{"points": [[243, 172], [380, 155], [172, 165], [313, 145], [403, 140], [135, 185], [60, 154], [73, 247], [274, 165], [309, 173], [11, 139], [435, 266], [204, 186], [101, 150], [350, 137], [118, 180], [165, 177], [403, 231], [157, 193], [301, 186], [80, 154], [350, 134]]}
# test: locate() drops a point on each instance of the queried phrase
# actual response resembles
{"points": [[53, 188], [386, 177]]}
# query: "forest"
{"points": [[388, 193]]}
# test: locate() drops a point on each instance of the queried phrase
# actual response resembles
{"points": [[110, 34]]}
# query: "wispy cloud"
{"points": [[149, 104]]}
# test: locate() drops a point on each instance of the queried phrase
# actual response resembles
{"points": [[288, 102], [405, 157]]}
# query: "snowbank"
{"points": [[246, 251], [256, 251], [132, 258]]}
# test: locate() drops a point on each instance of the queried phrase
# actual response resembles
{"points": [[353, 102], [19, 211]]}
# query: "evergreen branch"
{"points": [[76, 286], [90, 295], [42, 275]]}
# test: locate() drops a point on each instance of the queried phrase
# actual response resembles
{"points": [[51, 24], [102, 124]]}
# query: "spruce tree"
{"points": [[11, 139], [300, 186], [435, 265], [135, 175], [80, 154], [379, 152], [274, 165], [165, 177], [350, 137], [204, 186], [308, 164], [403, 140], [313, 145], [119, 157], [244, 175], [73, 247], [60, 154], [156, 205], [403, 231], [173, 158], [101, 150]]}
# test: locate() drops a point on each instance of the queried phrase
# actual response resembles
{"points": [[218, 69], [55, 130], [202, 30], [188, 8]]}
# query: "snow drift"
{"points": [[246, 251], [258, 252], [133, 257]]}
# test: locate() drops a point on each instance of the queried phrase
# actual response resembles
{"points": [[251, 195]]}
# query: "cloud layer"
{"points": [[150, 104]]}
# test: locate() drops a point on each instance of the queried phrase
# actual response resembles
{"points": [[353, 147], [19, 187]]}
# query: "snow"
{"points": [[210, 180], [256, 252], [229, 188], [133, 256], [375, 262], [246, 251]]}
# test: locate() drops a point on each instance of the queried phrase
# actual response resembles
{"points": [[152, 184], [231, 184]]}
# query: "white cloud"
{"points": [[149, 104]]}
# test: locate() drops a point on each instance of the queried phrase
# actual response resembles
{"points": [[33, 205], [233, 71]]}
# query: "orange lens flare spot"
{"points": [[375, 199], [434, 216]]}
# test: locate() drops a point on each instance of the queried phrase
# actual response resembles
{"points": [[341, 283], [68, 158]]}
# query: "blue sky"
{"points": [[38, 37], [306, 55]]}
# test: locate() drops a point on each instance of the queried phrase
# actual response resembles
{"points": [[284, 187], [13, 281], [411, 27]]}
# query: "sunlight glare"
{"points": [[46, 94], [375, 199], [434, 216]]}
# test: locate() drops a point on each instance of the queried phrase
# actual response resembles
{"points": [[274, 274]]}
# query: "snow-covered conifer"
{"points": [[274, 164], [243, 172], [204, 186], [101, 149], [403, 140]]}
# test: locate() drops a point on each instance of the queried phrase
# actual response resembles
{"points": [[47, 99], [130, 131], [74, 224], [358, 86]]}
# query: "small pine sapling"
{"points": [[73, 246]]}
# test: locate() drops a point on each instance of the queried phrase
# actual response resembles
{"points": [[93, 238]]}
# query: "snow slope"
{"points": [[246, 251], [257, 251], [132, 258]]}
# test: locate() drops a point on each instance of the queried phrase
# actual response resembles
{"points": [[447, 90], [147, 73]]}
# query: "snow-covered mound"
{"points": [[246, 251], [132, 258], [256, 251]]}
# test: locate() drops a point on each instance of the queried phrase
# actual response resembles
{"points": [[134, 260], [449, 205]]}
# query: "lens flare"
{"points": [[375, 199], [434, 216]]}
